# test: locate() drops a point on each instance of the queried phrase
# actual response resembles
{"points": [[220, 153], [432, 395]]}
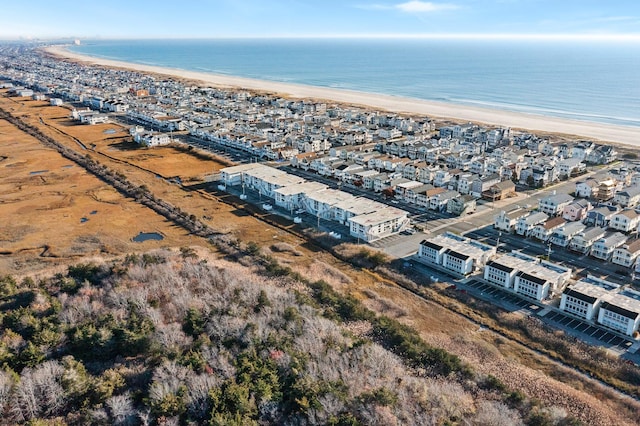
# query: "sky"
{"points": [[320, 18]]}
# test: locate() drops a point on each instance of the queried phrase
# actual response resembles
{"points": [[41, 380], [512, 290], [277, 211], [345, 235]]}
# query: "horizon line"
{"points": [[425, 36]]}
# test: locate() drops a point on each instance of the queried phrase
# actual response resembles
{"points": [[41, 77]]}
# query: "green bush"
{"points": [[86, 272], [8, 286], [194, 323]]}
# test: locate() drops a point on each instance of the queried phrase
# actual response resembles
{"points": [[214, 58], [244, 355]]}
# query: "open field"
{"points": [[46, 210], [54, 211]]}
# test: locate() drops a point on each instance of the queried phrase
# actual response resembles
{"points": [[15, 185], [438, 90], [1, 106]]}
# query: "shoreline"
{"points": [[615, 134]]}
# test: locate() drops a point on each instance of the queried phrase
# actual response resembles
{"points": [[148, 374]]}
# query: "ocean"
{"points": [[580, 80]]}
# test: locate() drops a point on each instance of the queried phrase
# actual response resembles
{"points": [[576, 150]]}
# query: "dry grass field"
{"points": [[54, 211], [42, 225]]}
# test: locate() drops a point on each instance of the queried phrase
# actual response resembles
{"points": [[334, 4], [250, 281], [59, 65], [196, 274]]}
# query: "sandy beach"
{"points": [[626, 135]]}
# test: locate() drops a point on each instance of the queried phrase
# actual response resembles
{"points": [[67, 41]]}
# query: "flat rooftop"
{"points": [[301, 188], [461, 245], [243, 167], [587, 289], [329, 196], [532, 266], [359, 205], [381, 216]]}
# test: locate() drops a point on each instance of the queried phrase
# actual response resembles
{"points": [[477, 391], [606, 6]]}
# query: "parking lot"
{"points": [[603, 337], [495, 294], [594, 335]]}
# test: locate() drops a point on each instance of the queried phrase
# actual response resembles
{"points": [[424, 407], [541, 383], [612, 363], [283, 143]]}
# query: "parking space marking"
{"points": [[613, 337], [596, 330], [582, 327]]}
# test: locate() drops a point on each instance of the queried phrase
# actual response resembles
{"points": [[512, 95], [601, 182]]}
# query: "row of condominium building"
{"points": [[591, 299], [367, 219]]}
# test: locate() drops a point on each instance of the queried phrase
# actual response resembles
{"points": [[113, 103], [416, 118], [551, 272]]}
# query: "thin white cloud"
{"points": [[415, 6]]}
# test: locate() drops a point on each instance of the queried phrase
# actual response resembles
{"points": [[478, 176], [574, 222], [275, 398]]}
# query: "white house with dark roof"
{"points": [[502, 270], [583, 299], [604, 247], [531, 285], [621, 312], [455, 253], [526, 275]]}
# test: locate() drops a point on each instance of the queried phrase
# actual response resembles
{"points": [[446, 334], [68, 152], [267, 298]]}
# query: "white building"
{"points": [[266, 180], [604, 247], [525, 224], [379, 224], [290, 196], [625, 221], [554, 204], [583, 299], [587, 188], [627, 254], [345, 209], [526, 275], [457, 254], [562, 237], [152, 139], [235, 175], [320, 203], [582, 242], [506, 221], [621, 312]]}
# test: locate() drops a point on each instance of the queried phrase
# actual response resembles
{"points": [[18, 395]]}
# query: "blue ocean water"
{"points": [[589, 81]]}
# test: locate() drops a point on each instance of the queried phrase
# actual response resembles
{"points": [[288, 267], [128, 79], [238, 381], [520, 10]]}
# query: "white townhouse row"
{"points": [[367, 220], [610, 246], [455, 253], [527, 275], [597, 300]]}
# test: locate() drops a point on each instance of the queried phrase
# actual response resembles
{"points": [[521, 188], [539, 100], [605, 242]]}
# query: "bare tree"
{"points": [[39, 392], [121, 411], [6, 384]]}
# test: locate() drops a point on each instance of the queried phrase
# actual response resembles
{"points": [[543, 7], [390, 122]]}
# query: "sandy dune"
{"points": [[599, 131]]}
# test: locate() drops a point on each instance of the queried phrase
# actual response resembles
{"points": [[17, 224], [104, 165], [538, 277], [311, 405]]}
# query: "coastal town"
{"points": [[507, 215]]}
